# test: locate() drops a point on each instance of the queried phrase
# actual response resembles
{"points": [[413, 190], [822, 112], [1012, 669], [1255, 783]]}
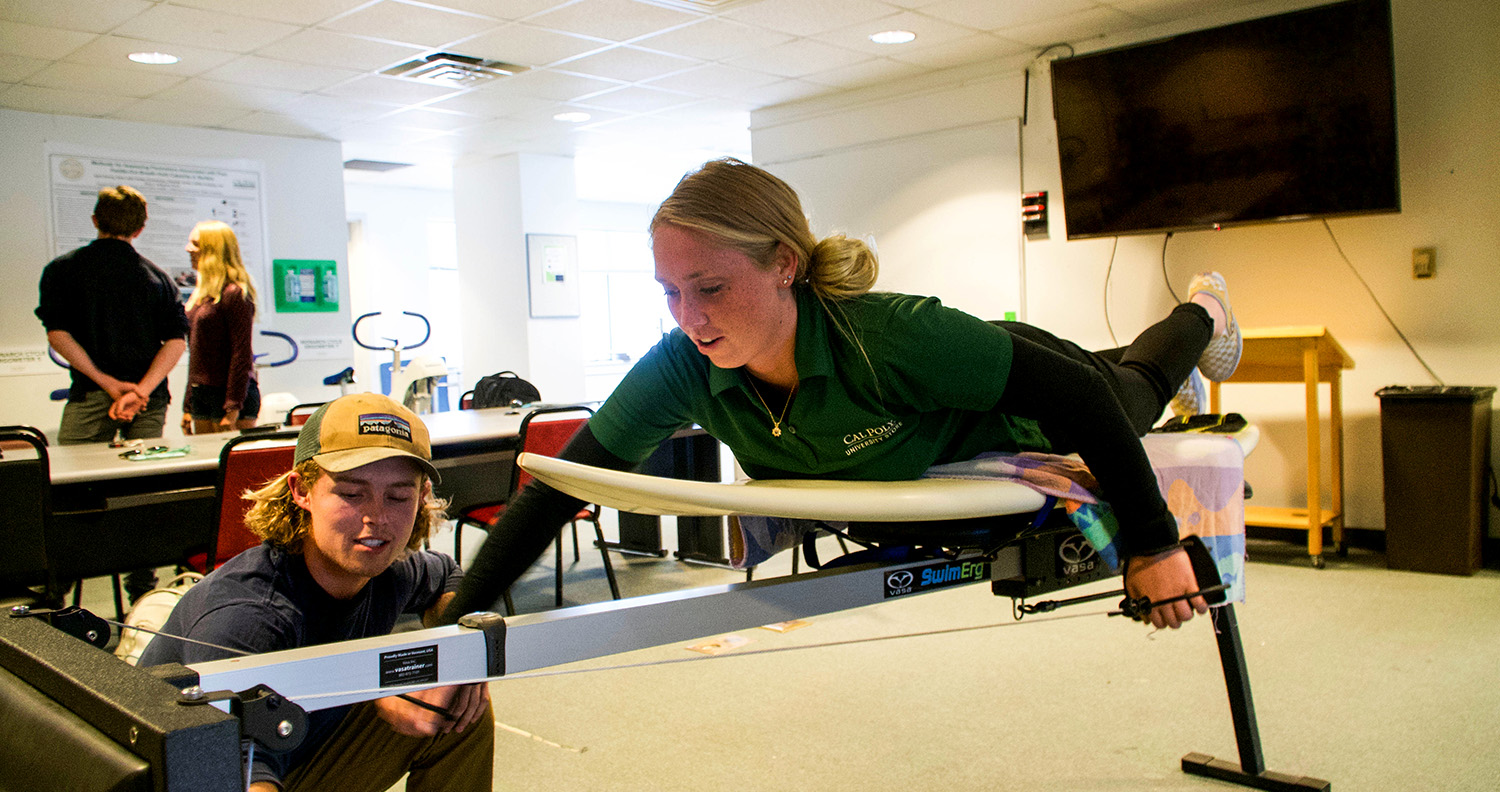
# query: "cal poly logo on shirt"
{"points": [[383, 424], [864, 438]]}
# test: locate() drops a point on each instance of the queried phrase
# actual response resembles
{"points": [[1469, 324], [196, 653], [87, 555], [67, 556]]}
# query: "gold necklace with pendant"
{"points": [[775, 422]]}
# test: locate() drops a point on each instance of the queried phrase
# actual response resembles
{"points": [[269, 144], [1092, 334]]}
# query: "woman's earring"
{"points": [[788, 280]]}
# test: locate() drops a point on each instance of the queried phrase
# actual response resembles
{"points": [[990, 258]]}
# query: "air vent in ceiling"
{"points": [[374, 165], [459, 71]]}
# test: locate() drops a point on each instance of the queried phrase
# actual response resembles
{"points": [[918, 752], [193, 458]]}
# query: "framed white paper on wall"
{"points": [[552, 267]]}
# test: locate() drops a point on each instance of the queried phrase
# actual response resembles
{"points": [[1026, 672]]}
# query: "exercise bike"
{"points": [[415, 383]]}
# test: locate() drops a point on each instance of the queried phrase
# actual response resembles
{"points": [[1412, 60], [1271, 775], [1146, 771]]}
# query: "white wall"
{"points": [[497, 202], [389, 273], [1448, 103], [304, 199]]}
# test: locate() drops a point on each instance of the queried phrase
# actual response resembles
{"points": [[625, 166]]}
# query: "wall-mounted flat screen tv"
{"points": [[1281, 118]]}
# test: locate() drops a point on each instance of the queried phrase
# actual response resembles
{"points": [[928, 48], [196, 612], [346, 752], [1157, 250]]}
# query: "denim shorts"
{"points": [[206, 402]]}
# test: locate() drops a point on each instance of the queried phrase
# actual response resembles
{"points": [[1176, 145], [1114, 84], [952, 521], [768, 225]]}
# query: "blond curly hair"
{"points": [[275, 517]]}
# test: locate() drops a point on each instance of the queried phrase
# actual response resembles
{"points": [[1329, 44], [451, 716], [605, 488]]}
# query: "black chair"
{"points": [[25, 511]]}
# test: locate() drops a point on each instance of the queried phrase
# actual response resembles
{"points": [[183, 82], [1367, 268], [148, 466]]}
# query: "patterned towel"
{"points": [[1201, 477]]}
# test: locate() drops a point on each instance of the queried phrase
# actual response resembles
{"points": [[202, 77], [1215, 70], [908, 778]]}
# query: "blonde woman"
{"points": [[222, 391], [786, 355]]}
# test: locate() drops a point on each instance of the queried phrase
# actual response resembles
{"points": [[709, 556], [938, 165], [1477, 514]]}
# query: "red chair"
{"points": [[298, 415], [246, 462], [466, 401], [547, 438]]}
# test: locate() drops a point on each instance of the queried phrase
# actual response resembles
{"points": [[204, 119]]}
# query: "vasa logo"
{"points": [[935, 576]]}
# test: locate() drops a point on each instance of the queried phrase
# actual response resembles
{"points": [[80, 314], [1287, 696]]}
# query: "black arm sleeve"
{"points": [[529, 523], [1078, 412]]}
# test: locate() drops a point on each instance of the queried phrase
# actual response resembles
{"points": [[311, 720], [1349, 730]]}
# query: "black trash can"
{"points": [[1435, 442]]}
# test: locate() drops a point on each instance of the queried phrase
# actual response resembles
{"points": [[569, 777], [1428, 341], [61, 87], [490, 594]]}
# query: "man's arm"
{"points": [[128, 404], [78, 358]]}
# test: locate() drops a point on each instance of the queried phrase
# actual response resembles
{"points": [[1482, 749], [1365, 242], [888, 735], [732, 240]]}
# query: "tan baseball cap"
{"points": [[353, 431]]}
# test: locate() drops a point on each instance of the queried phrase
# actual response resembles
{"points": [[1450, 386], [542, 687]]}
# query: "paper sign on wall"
{"points": [[552, 265]]}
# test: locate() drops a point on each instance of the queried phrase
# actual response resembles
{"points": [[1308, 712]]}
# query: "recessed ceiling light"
{"points": [[893, 37], [574, 117], [153, 58]]}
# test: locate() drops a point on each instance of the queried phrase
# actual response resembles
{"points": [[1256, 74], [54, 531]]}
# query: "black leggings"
{"points": [[1143, 376]]}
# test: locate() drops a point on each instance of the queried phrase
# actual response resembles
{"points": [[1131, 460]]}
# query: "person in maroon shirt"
{"points": [[222, 390]]}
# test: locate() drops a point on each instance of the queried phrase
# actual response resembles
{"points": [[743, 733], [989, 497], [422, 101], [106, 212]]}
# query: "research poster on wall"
{"points": [[179, 194]]}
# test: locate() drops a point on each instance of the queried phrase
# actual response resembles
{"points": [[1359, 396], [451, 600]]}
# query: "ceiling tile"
{"points": [[509, 9], [212, 93], [615, 20], [327, 48], [930, 32], [98, 79], [294, 12], [783, 91], [1157, 11], [31, 41], [434, 120], [332, 107], [714, 79], [865, 73], [389, 90], [990, 15], [636, 99], [810, 17], [14, 68], [504, 128], [276, 124], [50, 100], [491, 101], [597, 116], [798, 57], [411, 24], [255, 70], [92, 16], [627, 63], [112, 50], [1081, 26], [973, 49], [364, 133], [155, 111], [526, 45], [712, 112], [198, 28], [714, 39], [558, 85]]}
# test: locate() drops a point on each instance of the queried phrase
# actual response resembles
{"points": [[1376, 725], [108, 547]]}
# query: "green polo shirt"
{"points": [[915, 386]]}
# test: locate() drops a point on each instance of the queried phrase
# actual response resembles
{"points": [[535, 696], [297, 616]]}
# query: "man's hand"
{"points": [[127, 406], [228, 421], [187, 424], [465, 703], [115, 388], [1161, 577]]}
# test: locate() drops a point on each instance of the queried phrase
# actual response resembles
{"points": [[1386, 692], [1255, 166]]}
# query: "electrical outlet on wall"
{"points": [[1423, 262]]}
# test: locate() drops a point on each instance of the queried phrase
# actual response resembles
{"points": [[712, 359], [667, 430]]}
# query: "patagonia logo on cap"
{"points": [[384, 424]]}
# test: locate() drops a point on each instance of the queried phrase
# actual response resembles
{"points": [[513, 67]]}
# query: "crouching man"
{"points": [[340, 561]]}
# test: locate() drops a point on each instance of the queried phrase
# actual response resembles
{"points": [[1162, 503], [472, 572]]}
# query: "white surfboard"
{"points": [[819, 499], [808, 499]]}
